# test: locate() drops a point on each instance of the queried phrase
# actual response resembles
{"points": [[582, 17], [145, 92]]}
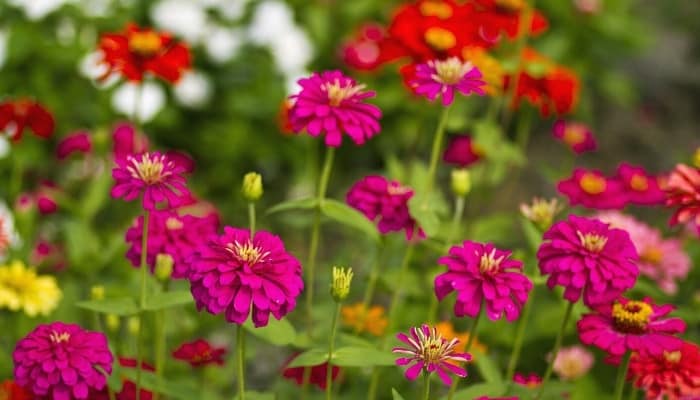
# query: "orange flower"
{"points": [[491, 70], [447, 331], [372, 321]]}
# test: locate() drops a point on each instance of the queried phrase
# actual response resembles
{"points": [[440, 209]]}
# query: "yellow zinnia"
{"points": [[22, 289], [371, 321]]}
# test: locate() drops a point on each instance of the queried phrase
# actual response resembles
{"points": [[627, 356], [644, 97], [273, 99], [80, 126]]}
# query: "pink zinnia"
{"points": [[386, 202], [589, 259], [153, 175], [683, 189], [444, 77], [674, 375], [428, 351], [630, 325], [200, 353], [172, 234], [233, 272], [592, 189], [462, 151], [575, 135], [333, 103], [481, 273], [573, 362], [58, 361], [531, 380], [639, 186], [126, 141], [78, 142]]}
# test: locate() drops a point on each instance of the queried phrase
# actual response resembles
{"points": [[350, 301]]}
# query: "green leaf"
{"points": [[258, 396], [95, 195], [424, 213], [493, 389], [362, 357], [150, 381], [113, 380], [298, 204], [160, 301], [487, 368], [277, 332], [347, 215], [310, 358], [532, 234], [122, 307], [395, 395]]}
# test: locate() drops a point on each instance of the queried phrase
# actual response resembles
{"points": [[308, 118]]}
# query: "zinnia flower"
{"points": [[22, 289], [8, 235], [126, 141], [573, 362], [153, 175], [673, 375], [491, 70], [541, 212], [363, 51], [128, 391], [200, 353], [318, 376], [233, 273], [78, 142], [15, 115], [59, 361], [444, 77], [332, 103], [370, 320], [9, 390], [483, 275], [386, 202], [430, 352], [631, 325], [683, 189], [591, 189], [575, 135], [138, 51], [589, 259], [640, 187], [462, 151], [48, 255], [172, 234], [530, 381]]}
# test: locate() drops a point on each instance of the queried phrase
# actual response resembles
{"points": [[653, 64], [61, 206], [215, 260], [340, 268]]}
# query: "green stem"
{"points": [[467, 347], [426, 385], [331, 345], [519, 336], [622, 375], [240, 369], [159, 345], [142, 302], [435, 153], [394, 306], [251, 219], [555, 351], [523, 130], [371, 284], [373, 382], [633, 393]]}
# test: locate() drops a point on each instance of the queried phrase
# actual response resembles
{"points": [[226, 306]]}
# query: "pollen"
{"points": [[247, 252], [57, 338], [652, 255], [337, 93], [673, 357], [574, 134], [639, 182], [145, 43], [592, 183], [591, 242], [488, 264], [149, 169], [433, 347], [450, 71], [438, 9], [632, 317], [440, 39], [173, 224]]}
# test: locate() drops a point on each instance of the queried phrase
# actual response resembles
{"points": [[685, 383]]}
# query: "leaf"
{"points": [[532, 234], [487, 368], [298, 204], [362, 357], [160, 301], [309, 358], [424, 213], [347, 215], [258, 396], [150, 381], [493, 389], [95, 195], [277, 332], [122, 307], [113, 380], [395, 395]]}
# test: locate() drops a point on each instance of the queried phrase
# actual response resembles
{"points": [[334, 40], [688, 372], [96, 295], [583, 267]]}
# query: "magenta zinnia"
{"points": [[234, 273], [430, 352], [592, 189], [58, 361], [481, 273], [589, 259], [683, 189], [444, 77], [332, 103], [154, 175]]}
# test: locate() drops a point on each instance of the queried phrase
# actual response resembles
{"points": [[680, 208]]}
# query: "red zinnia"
{"points": [[592, 189], [672, 375], [137, 51], [683, 188], [640, 187], [200, 353], [77, 142], [15, 115], [318, 376], [12, 391]]}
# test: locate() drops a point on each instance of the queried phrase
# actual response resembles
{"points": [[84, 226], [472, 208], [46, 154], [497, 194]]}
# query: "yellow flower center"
{"points": [[440, 39], [639, 182], [672, 356], [511, 5], [571, 368], [434, 347], [337, 94], [145, 43], [592, 183], [247, 252], [173, 223], [652, 255], [450, 71], [488, 264], [57, 337], [574, 134], [436, 9], [632, 317], [591, 242], [148, 169], [397, 190], [203, 356]]}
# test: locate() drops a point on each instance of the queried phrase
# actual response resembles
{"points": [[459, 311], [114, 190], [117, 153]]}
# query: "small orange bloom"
{"points": [[372, 321], [11, 391], [491, 70], [447, 331]]}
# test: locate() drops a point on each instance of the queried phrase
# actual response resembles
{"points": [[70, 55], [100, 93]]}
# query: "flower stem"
{"points": [[396, 298], [633, 393], [621, 375], [159, 346], [555, 351], [251, 219], [372, 283], [467, 347], [426, 385], [240, 369], [142, 302], [331, 345], [519, 336], [435, 153]]}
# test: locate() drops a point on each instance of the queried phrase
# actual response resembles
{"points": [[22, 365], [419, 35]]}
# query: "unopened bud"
{"points": [[97, 292], [164, 266], [340, 286], [113, 322], [252, 186], [541, 212], [133, 324], [461, 182]]}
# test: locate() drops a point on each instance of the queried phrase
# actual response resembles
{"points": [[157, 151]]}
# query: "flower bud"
{"points": [[97, 292], [113, 322], [133, 325], [164, 266], [252, 186], [461, 182], [340, 285], [541, 212], [696, 158]]}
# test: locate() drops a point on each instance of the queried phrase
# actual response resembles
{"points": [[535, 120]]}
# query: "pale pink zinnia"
{"points": [[443, 77], [573, 362], [333, 103], [239, 276], [589, 259], [683, 190], [430, 352]]}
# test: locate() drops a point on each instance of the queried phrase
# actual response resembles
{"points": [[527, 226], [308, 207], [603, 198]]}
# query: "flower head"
{"points": [[631, 325], [575, 135], [589, 259], [530, 381], [672, 375], [592, 189], [22, 289], [240, 275], [370, 320], [15, 115], [462, 151], [491, 70], [541, 212], [318, 376], [9, 390], [332, 103], [430, 352], [155, 176], [340, 283], [460, 182], [59, 361], [483, 275], [252, 186], [78, 142], [200, 353], [683, 190], [137, 51], [386, 202], [640, 187], [573, 362], [444, 77], [127, 141]]}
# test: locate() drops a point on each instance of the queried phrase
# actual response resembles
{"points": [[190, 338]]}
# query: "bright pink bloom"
{"points": [[630, 325], [683, 189], [573, 362], [233, 273], [531, 381], [674, 375], [319, 373], [200, 353], [589, 259], [126, 141], [385, 201], [332, 103], [15, 115], [58, 361], [591, 189], [640, 187], [46, 197], [483, 275], [462, 151], [153, 175], [575, 135], [78, 142], [48, 255], [444, 77], [172, 234], [430, 352]]}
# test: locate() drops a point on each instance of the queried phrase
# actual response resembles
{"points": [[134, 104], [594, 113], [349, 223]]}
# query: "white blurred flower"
{"points": [[193, 90], [4, 147], [185, 18], [222, 44], [8, 235], [3, 46], [92, 68], [271, 20], [151, 100], [292, 51], [95, 8], [37, 9], [65, 31]]}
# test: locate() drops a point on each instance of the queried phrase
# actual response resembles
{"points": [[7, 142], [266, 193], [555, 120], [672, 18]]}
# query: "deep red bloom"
{"points": [[575, 135], [127, 141], [129, 387], [462, 151], [137, 51], [46, 197], [200, 353], [15, 115], [363, 51], [531, 381], [495, 17], [592, 189], [48, 255], [673, 375], [640, 187], [77, 142], [319, 373], [9, 390], [683, 189]]}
